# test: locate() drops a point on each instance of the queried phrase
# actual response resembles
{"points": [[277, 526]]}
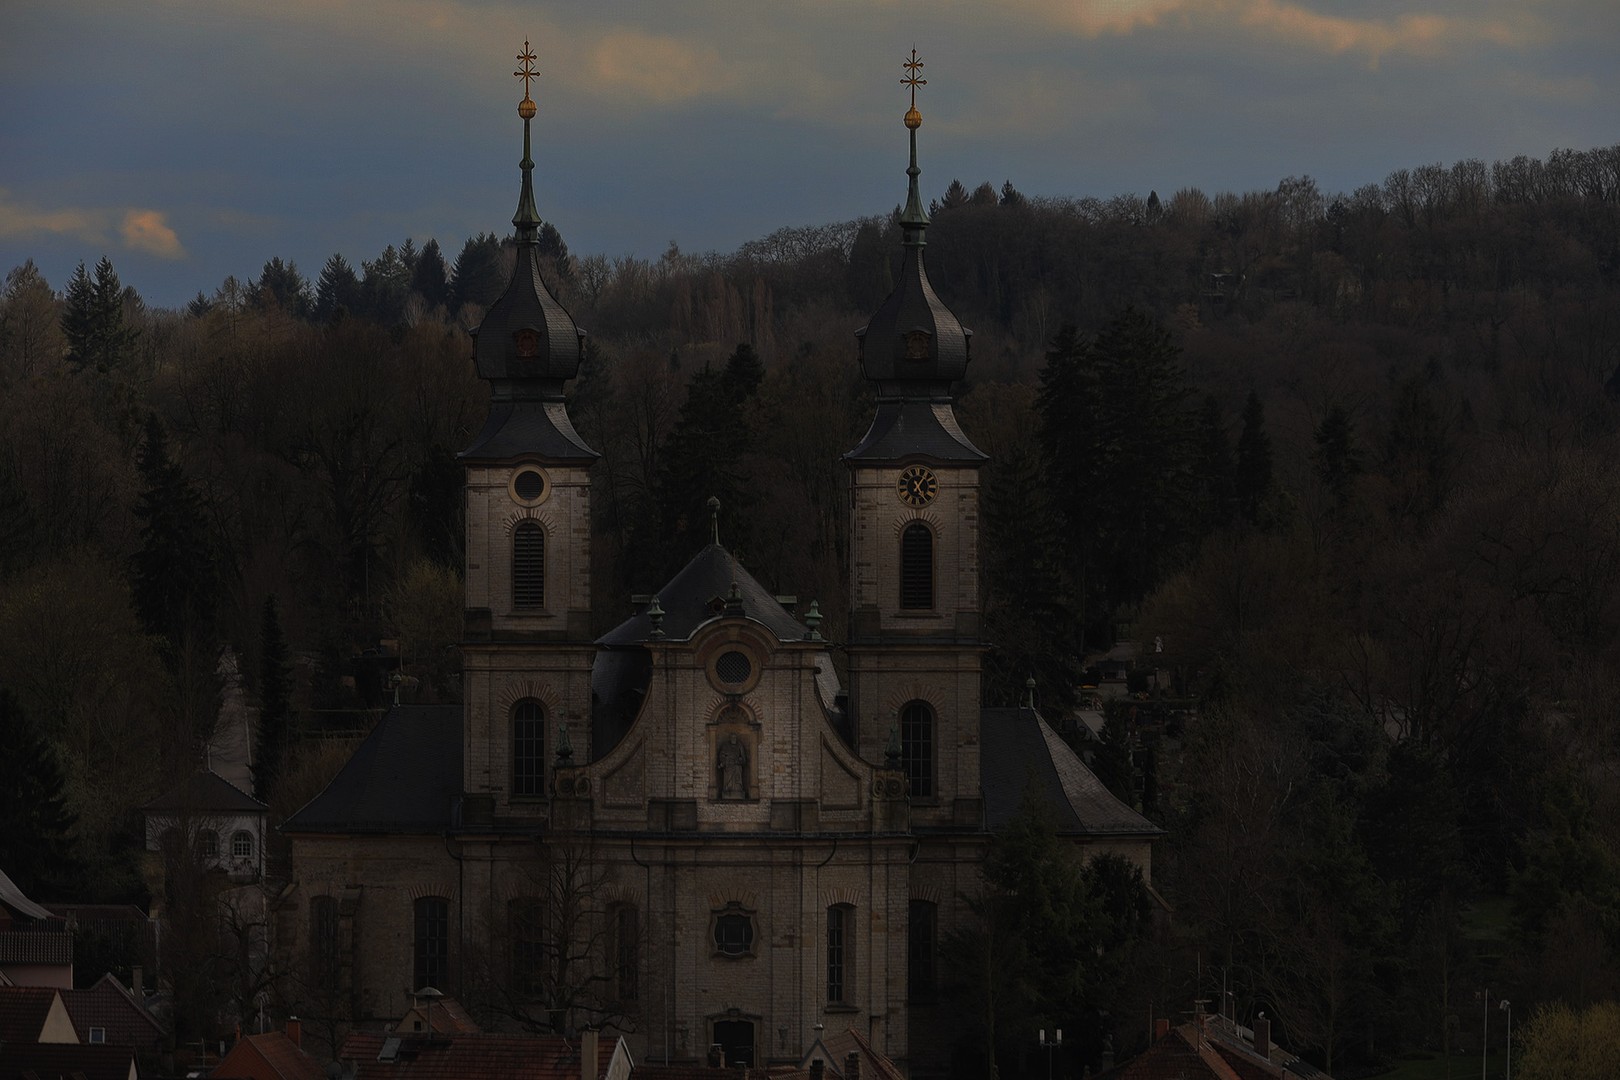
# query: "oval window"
{"points": [[733, 668], [529, 485]]}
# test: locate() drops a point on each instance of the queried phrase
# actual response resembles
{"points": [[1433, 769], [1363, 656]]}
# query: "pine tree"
{"points": [[337, 290], [384, 288], [93, 318], [429, 277], [1336, 457], [1214, 467], [275, 704], [36, 844], [1252, 478], [477, 278], [281, 285]]}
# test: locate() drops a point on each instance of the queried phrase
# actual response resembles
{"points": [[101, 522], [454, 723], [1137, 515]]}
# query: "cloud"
{"points": [[20, 222], [656, 68], [146, 230]]}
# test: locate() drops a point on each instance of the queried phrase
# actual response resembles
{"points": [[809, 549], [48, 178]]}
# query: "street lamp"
{"points": [[1507, 1006], [1485, 1037], [1050, 1045]]}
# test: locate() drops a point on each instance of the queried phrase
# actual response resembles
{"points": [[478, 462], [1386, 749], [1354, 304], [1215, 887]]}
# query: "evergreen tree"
{"points": [[281, 285], [93, 318], [31, 336], [36, 844], [429, 277], [1252, 478], [199, 306], [477, 277], [337, 290], [1214, 467], [1336, 457], [275, 704], [384, 288]]}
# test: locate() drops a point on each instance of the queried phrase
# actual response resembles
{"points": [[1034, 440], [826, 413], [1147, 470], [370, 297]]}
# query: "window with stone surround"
{"points": [[840, 954], [432, 957], [917, 567], [922, 941], [323, 942], [624, 951], [528, 749], [242, 844], [526, 930], [917, 747]]}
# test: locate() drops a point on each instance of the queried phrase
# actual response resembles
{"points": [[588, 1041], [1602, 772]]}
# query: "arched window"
{"points": [[528, 749], [323, 942], [207, 844], [922, 934], [917, 567], [624, 950], [241, 844], [526, 929], [840, 954], [432, 942], [917, 748], [528, 566]]}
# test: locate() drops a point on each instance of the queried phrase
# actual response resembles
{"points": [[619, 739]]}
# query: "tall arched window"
{"points": [[917, 567], [840, 954], [323, 941], [432, 942], [526, 925], [528, 749], [922, 935], [528, 566], [624, 951], [917, 747]]}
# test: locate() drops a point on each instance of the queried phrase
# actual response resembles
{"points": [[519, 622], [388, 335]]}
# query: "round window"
{"points": [[529, 485], [733, 668]]}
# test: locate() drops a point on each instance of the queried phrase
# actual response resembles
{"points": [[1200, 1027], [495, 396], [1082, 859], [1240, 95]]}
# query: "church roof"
{"points": [[702, 591], [1019, 749], [404, 778], [518, 429], [914, 428], [205, 789]]}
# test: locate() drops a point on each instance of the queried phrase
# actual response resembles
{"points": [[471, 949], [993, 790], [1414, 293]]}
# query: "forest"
{"points": [[1344, 463]]}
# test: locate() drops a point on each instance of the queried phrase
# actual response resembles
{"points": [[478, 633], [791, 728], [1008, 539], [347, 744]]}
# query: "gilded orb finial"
{"points": [[526, 107], [913, 80]]}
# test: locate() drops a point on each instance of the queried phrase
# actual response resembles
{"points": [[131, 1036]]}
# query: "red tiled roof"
{"points": [[23, 1010], [285, 1058], [485, 1056], [107, 1005], [705, 1072], [36, 947], [66, 1061]]}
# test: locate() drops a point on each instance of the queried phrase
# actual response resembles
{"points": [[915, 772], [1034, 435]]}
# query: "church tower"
{"points": [[527, 656], [914, 646]]}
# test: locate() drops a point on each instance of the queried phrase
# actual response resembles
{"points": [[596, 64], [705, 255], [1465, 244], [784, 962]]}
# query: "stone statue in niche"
{"points": [[732, 764]]}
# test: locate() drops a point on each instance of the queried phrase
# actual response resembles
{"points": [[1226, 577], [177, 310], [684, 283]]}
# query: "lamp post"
{"points": [[1050, 1045], [1485, 1038], [1507, 1006]]}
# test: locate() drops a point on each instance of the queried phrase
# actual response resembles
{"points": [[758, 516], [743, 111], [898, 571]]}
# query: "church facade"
{"points": [[687, 830]]}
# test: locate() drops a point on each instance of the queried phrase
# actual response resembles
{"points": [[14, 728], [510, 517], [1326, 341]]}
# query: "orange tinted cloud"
{"points": [[656, 68], [148, 231], [19, 221]]}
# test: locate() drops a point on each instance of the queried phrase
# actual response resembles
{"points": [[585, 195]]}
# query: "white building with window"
{"points": [[689, 828], [213, 819]]}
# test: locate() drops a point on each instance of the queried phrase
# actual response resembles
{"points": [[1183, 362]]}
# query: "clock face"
{"points": [[918, 486]]}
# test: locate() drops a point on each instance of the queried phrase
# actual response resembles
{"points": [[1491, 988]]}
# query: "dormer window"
{"points": [[528, 342]]}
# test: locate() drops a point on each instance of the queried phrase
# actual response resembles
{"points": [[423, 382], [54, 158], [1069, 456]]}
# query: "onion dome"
{"points": [[528, 346]]}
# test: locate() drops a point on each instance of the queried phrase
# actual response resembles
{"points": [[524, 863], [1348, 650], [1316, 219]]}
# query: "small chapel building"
{"points": [[687, 830]]}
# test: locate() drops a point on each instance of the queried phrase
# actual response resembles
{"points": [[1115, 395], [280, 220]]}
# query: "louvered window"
{"points": [[528, 566], [917, 748], [917, 567], [528, 749]]}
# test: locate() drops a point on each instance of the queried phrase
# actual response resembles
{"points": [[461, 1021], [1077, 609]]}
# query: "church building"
{"points": [[688, 830]]}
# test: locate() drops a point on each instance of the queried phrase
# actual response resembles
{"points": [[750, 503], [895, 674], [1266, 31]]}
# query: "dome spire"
{"points": [[913, 220], [527, 218]]}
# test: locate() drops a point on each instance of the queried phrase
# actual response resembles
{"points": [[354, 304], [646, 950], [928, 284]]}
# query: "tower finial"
{"points": [[714, 517], [913, 220], [527, 218]]}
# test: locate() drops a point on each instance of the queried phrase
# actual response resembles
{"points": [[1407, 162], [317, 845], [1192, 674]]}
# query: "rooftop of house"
{"points": [[1213, 1047], [488, 1056], [49, 1061], [110, 1006], [205, 791], [271, 1054]]}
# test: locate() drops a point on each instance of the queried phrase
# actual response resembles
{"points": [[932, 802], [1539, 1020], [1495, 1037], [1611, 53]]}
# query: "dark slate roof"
{"points": [[888, 355], [1018, 748], [404, 778], [66, 1061], [36, 947], [619, 681], [207, 790], [515, 429], [686, 601], [916, 429], [486, 1056]]}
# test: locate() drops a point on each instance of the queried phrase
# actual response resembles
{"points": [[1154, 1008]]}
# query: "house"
{"points": [[222, 825], [108, 1012], [486, 1055], [38, 1041], [1217, 1048], [272, 1055], [708, 827], [36, 948]]}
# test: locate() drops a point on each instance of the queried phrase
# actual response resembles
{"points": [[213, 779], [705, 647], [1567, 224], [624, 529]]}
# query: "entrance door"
{"points": [[736, 1039]]}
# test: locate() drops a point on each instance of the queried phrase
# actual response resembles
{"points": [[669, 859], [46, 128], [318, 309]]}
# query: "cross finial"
{"points": [[526, 72], [913, 80]]}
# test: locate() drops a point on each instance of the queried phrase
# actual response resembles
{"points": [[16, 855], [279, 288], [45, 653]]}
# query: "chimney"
{"points": [[135, 979], [818, 1069], [295, 1031], [1161, 1028], [1262, 1036], [588, 1054], [852, 1066]]}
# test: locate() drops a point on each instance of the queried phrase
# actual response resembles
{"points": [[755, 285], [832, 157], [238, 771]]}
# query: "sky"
{"points": [[188, 140]]}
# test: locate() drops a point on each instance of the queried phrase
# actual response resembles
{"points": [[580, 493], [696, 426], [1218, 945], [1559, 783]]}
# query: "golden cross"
{"points": [[527, 72], [912, 66]]}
